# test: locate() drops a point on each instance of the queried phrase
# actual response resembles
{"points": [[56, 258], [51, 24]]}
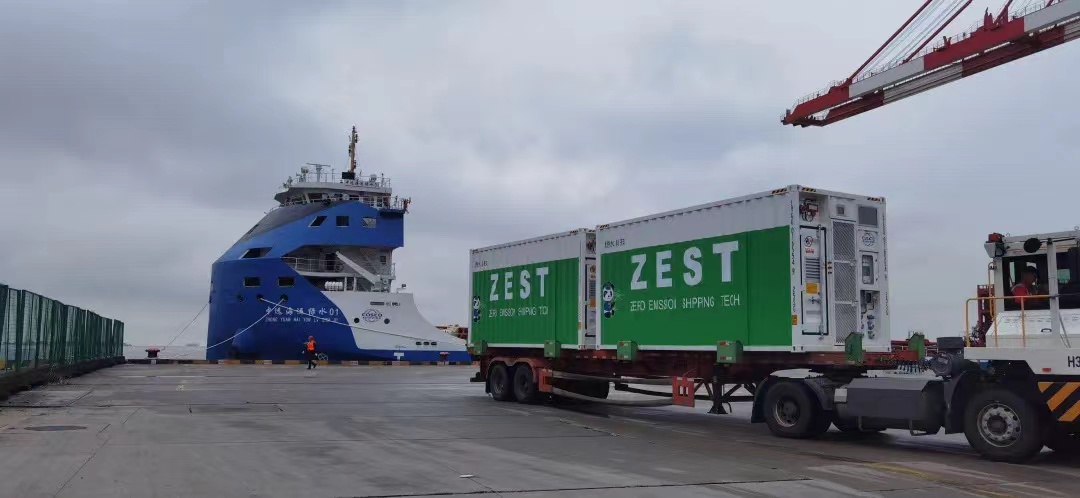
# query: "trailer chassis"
{"points": [[1006, 411]]}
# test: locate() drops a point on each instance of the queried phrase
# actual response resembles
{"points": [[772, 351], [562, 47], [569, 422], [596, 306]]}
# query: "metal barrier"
{"points": [[994, 316], [38, 332]]}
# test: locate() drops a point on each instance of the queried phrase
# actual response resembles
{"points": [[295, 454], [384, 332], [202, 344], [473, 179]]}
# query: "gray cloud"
{"points": [[140, 140]]}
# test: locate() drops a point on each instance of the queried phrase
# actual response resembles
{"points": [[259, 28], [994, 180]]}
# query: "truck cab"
{"points": [[1031, 315], [1034, 298], [1011, 384]]}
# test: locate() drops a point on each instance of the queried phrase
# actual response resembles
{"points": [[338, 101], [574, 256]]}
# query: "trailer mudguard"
{"points": [[756, 415], [957, 391]]}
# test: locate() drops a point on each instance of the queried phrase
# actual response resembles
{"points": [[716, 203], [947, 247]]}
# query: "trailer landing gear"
{"points": [[720, 398]]}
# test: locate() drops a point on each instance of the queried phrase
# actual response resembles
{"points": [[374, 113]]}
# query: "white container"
{"points": [[794, 269]]}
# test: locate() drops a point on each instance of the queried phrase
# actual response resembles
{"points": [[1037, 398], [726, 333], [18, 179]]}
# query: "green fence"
{"points": [[36, 331]]}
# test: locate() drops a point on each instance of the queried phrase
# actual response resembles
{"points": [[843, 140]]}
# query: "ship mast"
{"points": [[351, 174]]}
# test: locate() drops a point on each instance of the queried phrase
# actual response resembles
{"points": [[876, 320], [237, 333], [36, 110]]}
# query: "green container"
{"points": [[662, 308], [532, 293], [795, 269]]}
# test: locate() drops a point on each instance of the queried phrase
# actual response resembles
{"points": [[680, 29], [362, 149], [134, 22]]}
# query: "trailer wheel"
{"points": [[792, 411], [525, 388], [1003, 426], [499, 383]]}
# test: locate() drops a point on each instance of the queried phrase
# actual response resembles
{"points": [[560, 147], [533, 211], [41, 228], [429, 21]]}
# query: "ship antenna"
{"points": [[352, 150]]}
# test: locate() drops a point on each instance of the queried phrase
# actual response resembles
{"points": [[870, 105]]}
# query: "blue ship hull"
{"points": [[251, 278]]}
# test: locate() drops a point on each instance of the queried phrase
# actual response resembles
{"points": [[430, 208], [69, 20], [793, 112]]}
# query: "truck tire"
{"points": [[499, 383], [1003, 426], [792, 411], [525, 388]]}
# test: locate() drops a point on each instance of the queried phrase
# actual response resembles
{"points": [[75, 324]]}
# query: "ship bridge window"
{"points": [[252, 281], [285, 281], [342, 221], [317, 221], [369, 222], [255, 252]]}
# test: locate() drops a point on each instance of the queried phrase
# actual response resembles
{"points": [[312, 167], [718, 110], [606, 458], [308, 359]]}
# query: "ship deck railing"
{"points": [[315, 265], [394, 203]]}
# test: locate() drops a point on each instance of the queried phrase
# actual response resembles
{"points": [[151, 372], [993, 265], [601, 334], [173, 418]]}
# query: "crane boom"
{"points": [[999, 40]]}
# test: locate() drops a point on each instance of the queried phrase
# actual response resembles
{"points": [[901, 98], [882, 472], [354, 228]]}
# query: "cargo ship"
{"points": [[320, 264]]}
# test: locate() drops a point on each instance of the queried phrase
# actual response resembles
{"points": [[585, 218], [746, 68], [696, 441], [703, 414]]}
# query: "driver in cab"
{"points": [[1027, 287]]}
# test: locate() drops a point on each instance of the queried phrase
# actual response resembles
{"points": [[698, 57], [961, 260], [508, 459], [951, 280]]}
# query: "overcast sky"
{"points": [[139, 140]]}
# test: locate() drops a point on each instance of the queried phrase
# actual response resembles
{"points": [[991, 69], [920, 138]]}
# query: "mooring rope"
{"points": [[186, 326], [248, 327]]}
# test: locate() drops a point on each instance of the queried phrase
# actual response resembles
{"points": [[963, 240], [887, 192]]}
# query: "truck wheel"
{"points": [[525, 388], [792, 411], [499, 383], [1003, 426]]}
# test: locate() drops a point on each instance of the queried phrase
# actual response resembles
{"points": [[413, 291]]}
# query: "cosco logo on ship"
{"points": [[371, 315]]}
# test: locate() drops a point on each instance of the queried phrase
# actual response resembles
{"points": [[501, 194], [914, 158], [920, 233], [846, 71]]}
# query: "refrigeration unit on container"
{"points": [[794, 269], [533, 293]]}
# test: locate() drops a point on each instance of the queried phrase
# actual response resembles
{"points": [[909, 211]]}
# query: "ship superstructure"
{"points": [[321, 264]]}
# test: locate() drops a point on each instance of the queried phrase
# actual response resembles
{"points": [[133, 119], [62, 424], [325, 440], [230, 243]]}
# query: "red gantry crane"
{"points": [[904, 65]]}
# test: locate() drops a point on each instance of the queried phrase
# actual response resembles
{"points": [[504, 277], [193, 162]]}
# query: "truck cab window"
{"points": [[1068, 269], [1025, 275]]}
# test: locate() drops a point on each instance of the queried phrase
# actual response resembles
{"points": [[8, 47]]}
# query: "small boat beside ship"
{"points": [[321, 264]]}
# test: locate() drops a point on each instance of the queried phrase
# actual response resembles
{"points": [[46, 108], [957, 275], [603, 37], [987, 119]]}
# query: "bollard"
{"points": [[152, 352]]}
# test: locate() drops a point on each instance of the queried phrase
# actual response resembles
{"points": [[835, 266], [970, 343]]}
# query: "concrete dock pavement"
{"points": [[273, 430]]}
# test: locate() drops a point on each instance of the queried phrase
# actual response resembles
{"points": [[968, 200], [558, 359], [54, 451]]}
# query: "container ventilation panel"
{"points": [[845, 290], [813, 269]]}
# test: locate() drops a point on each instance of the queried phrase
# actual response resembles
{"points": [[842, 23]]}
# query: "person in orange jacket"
{"points": [[309, 349], [1027, 287]]}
